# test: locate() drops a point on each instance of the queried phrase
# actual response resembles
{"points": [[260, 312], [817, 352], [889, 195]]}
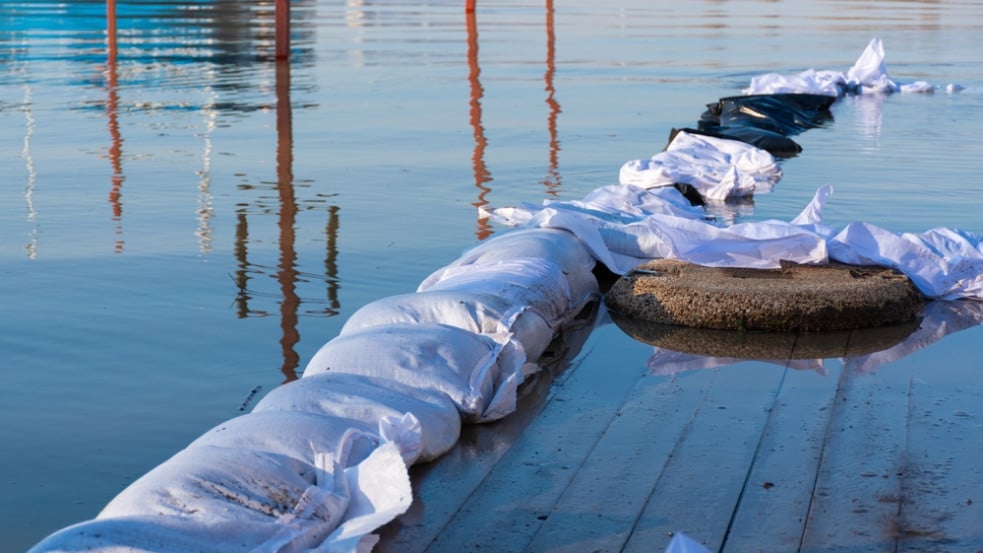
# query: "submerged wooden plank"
{"points": [[441, 487], [775, 503], [858, 485], [598, 509], [501, 510], [942, 490], [700, 486]]}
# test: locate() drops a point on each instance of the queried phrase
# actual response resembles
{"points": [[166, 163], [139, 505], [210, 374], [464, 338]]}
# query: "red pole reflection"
{"points": [[281, 23], [552, 181], [481, 174], [112, 112], [287, 274]]}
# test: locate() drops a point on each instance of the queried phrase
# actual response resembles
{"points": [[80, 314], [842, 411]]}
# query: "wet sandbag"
{"points": [[718, 168], [555, 245], [772, 142], [532, 282], [217, 499], [383, 402], [785, 114], [477, 373], [480, 313], [297, 434]]}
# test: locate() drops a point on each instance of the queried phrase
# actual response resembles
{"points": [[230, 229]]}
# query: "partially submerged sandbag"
{"points": [[231, 499], [766, 120], [379, 401], [558, 246], [477, 312], [718, 168], [477, 373], [786, 114], [533, 282]]}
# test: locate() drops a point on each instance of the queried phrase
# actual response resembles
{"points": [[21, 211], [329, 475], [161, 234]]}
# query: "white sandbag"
{"points": [[477, 373], [869, 72], [297, 434], [622, 246], [943, 263], [532, 282], [718, 168], [154, 534], [480, 313], [376, 401], [636, 202], [868, 75], [810, 81], [217, 486], [221, 499], [555, 245]]}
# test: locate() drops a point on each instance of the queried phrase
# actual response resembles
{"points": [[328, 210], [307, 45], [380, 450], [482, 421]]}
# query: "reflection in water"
{"points": [[112, 112], [481, 173], [680, 349], [552, 181], [331, 262], [287, 275], [32, 175], [205, 209]]}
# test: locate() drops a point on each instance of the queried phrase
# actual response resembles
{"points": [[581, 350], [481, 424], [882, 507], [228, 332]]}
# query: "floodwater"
{"points": [[184, 221]]}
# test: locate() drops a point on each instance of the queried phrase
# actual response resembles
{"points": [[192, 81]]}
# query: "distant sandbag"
{"points": [[717, 167], [786, 114], [477, 373], [481, 313], [774, 143]]}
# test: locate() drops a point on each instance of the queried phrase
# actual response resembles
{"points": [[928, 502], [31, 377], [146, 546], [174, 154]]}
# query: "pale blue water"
{"points": [[169, 252]]}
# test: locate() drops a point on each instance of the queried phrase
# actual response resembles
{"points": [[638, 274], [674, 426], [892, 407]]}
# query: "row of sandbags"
{"points": [[322, 462], [731, 152]]}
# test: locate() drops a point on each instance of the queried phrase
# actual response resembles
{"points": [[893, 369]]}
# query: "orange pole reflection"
{"points": [[552, 181], [112, 112], [287, 274], [481, 174], [281, 23]]}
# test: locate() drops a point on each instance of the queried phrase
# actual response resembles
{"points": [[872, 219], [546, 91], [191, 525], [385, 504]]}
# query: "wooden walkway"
{"points": [[752, 457]]}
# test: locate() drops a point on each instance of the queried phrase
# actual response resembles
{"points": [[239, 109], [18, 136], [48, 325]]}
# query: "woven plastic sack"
{"points": [[530, 282], [381, 402], [554, 245], [477, 373], [480, 313]]}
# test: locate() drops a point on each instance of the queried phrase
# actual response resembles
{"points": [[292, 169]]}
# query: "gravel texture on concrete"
{"points": [[795, 297]]}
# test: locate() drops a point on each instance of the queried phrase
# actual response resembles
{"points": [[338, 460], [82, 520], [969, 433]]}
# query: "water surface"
{"points": [[184, 221]]}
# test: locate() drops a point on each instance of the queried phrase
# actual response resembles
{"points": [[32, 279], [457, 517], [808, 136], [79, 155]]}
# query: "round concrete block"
{"points": [[795, 297]]}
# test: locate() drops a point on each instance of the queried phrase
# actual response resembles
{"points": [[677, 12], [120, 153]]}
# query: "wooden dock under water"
{"points": [[756, 456]]}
